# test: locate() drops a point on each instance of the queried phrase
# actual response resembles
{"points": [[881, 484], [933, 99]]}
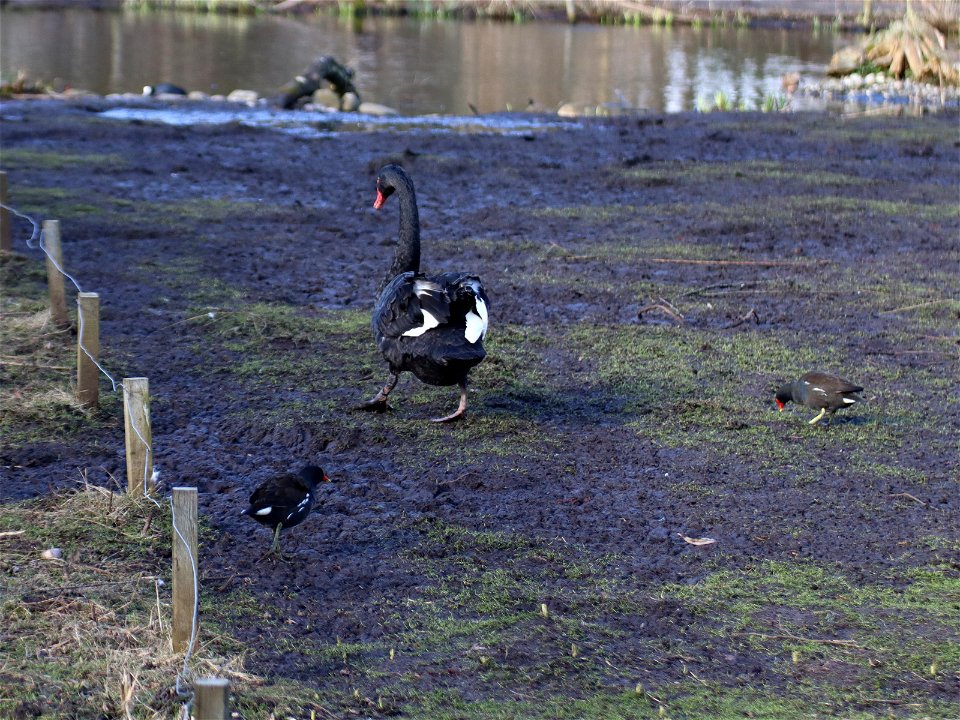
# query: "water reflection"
{"points": [[414, 66]]}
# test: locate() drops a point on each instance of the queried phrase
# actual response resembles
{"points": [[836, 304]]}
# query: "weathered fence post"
{"points": [[88, 379], [138, 435], [5, 243], [58, 296], [186, 573], [210, 699]]}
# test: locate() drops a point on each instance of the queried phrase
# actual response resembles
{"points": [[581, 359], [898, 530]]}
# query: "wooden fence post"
{"points": [[186, 572], [136, 419], [5, 243], [58, 296], [88, 377], [210, 699]]}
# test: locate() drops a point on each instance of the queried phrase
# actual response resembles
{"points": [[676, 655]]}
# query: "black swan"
{"points": [[431, 325], [285, 500], [819, 391]]}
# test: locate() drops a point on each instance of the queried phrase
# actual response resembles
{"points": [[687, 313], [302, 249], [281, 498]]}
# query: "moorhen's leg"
{"points": [[274, 551], [379, 402], [461, 408], [818, 417]]}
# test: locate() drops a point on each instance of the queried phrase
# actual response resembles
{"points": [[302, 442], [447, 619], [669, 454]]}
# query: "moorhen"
{"points": [[819, 391], [430, 325], [285, 500]]}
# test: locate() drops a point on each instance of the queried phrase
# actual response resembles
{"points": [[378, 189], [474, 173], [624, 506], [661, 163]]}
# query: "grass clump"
{"points": [[86, 633], [37, 364], [881, 635]]}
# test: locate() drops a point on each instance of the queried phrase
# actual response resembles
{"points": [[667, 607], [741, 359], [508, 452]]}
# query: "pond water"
{"points": [[416, 66]]}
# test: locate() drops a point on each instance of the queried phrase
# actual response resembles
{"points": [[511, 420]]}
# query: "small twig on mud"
{"points": [[209, 314], [908, 496], [226, 583], [35, 365], [915, 307], [569, 255], [950, 355], [60, 589], [665, 307], [758, 263], [752, 315], [721, 286], [786, 636], [11, 533], [458, 478]]}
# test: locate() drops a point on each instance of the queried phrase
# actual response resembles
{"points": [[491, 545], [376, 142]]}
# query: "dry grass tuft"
{"points": [[915, 44], [912, 44], [88, 634]]}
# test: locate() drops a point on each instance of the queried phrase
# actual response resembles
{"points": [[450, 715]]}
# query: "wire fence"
{"points": [[184, 676]]}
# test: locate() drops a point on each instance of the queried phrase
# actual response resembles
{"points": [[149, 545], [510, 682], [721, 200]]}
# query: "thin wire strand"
{"points": [[36, 241]]}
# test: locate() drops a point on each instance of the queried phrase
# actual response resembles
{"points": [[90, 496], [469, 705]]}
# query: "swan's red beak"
{"points": [[378, 203], [780, 406]]}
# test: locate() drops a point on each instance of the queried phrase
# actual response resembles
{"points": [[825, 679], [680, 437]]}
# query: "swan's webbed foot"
{"points": [[461, 408], [379, 402]]}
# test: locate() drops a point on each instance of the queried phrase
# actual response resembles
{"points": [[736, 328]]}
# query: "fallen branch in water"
{"points": [[666, 307]]}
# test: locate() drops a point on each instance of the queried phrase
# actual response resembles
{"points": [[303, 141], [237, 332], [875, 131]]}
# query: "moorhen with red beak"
{"points": [[285, 500], [819, 391]]}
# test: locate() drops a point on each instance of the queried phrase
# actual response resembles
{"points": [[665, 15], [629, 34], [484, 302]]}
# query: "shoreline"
{"points": [[830, 96], [846, 15]]}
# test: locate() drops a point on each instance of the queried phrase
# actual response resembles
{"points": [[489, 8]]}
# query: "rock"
{"points": [[371, 108], [243, 96], [197, 95], [845, 61], [327, 97], [658, 534], [52, 554], [349, 102], [853, 81], [568, 110]]}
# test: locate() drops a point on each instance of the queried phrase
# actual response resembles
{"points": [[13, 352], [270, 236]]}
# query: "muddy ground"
{"points": [[237, 267]]}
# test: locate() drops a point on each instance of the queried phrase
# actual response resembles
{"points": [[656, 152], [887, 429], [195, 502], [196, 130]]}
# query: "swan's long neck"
{"points": [[407, 257]]}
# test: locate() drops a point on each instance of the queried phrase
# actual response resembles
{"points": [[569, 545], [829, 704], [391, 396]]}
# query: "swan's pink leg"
{"points": [[461, 408]]}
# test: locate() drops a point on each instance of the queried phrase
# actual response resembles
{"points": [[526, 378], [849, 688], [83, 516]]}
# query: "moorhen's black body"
{"points": [[285, 500], [430, 325], [819, 391]]}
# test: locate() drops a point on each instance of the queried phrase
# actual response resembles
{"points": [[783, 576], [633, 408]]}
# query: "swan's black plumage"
{"points": [[430, 325]]}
